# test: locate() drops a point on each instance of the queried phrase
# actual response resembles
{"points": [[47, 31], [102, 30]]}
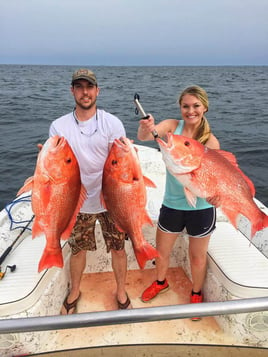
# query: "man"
{"points": [[91, 132]]}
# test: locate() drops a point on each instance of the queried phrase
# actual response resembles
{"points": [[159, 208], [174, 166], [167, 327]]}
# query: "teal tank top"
{"points": [[174, 196]]}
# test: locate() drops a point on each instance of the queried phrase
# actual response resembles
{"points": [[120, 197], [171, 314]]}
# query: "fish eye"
{"points": [[114, 162], [68, 161], [187, 143]]}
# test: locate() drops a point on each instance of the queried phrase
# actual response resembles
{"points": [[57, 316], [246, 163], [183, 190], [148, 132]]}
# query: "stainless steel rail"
{"points": [[104, 318]]}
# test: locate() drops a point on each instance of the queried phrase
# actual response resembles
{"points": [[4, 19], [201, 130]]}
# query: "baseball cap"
{"points": [[86, 74]]}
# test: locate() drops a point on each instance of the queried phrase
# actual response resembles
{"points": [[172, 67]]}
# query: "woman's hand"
{"points": [[147, 126], [214, 201]]}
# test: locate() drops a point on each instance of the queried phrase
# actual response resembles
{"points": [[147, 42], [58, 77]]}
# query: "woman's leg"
{"points": [[164, 245], [198, 259]]}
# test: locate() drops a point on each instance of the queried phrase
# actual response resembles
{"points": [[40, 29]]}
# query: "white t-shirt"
{"points": [[89, 141]]}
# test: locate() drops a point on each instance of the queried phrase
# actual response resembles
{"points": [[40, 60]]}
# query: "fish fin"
{"points": [[83, 196], [232, 215], [248, 181], [232, 159], [36, 229], [102, 200], [147, 219], [67, 232], [191, 198], [119, 228], [262, 224], [144, 253], [28, 185], [265, 222], [49, 260], [148, 182], [228, 156]]}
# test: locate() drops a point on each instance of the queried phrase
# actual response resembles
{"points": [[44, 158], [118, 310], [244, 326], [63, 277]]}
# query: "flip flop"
{"points": [[73, 305], [125, 305]]}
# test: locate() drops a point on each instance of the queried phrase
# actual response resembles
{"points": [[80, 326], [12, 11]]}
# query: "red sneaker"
{"points": [[153, 290], [194, 300]]}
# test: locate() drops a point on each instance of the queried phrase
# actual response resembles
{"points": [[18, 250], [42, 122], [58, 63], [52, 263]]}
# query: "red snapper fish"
{"points": [[211, 173], [124, 196], [57, 196]]}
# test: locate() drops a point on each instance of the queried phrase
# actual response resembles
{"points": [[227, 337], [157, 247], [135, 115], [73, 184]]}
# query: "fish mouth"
{"points": [[123, 140], [123, 143], [165, 142], [57, 142], [61, 140], [175, 163]]}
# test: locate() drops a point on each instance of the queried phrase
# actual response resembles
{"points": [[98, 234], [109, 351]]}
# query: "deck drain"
{"points": [[258, 321], [8, 341]]}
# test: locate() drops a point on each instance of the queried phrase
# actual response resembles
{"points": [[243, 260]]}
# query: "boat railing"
{"points": [[136, 315]]}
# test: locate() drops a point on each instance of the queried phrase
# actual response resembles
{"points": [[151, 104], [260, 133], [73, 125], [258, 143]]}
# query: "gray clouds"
{"points": [[142, 32]]}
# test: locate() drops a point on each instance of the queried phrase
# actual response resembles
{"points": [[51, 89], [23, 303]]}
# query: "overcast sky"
{"points": [[140, 32]]}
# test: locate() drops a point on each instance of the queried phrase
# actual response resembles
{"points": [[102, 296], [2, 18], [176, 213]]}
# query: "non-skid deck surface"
{"points": [[98, 294], [159, 350]]}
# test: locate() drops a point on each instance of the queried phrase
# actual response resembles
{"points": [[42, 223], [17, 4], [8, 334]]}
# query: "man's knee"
{"points": [[121, 253], [80, 254]]}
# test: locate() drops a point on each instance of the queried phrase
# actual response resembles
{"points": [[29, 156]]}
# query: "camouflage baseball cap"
{"points": [[86, 74]]}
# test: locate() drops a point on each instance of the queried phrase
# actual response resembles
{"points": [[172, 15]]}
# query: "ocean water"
{"points": [[33, 96]]}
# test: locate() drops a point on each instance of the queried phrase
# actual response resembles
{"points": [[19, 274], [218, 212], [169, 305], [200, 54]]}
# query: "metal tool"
{"points": [[9, 249], [140, 109]]}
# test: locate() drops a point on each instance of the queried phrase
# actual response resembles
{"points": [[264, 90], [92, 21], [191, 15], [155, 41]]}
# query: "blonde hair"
{"points": [[203, 132]]}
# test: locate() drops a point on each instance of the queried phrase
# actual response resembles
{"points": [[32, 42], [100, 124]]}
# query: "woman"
{"points": [[175, 213]]}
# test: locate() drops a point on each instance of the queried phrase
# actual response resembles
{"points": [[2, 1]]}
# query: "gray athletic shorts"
{"points": [[83, 234], [198, 223]]}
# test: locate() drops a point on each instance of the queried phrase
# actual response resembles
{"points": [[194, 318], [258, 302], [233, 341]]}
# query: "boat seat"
{"points": [[237, 263]]}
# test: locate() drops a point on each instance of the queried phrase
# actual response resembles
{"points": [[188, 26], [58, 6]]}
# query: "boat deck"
{"points": [[98, 294], [166, 350]]}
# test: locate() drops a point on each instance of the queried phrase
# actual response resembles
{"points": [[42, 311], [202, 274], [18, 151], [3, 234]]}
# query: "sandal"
{"points": [[73, 305], [125, 305]]}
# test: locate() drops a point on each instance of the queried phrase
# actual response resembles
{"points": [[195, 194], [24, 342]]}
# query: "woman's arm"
{"points": [[213, 142], [147, 126]]}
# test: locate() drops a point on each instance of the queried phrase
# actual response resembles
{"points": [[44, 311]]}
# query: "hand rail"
{"points": [[103, 318]]}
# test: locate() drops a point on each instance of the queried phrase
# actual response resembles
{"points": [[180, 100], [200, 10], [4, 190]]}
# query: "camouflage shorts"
{"points": [[83, 234]]}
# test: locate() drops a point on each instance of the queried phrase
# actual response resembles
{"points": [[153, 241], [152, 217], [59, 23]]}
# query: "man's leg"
{"points": [[115, 242], [77, 266], [119, 265]]}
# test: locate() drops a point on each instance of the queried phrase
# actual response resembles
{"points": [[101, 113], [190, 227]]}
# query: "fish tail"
{"points": [[144, 253], [49, 260]]}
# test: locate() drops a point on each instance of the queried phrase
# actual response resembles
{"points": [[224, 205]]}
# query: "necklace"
{"points": [[77, 122]]}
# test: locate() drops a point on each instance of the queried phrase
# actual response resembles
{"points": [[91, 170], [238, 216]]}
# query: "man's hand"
{"points": [[39, 147]]}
